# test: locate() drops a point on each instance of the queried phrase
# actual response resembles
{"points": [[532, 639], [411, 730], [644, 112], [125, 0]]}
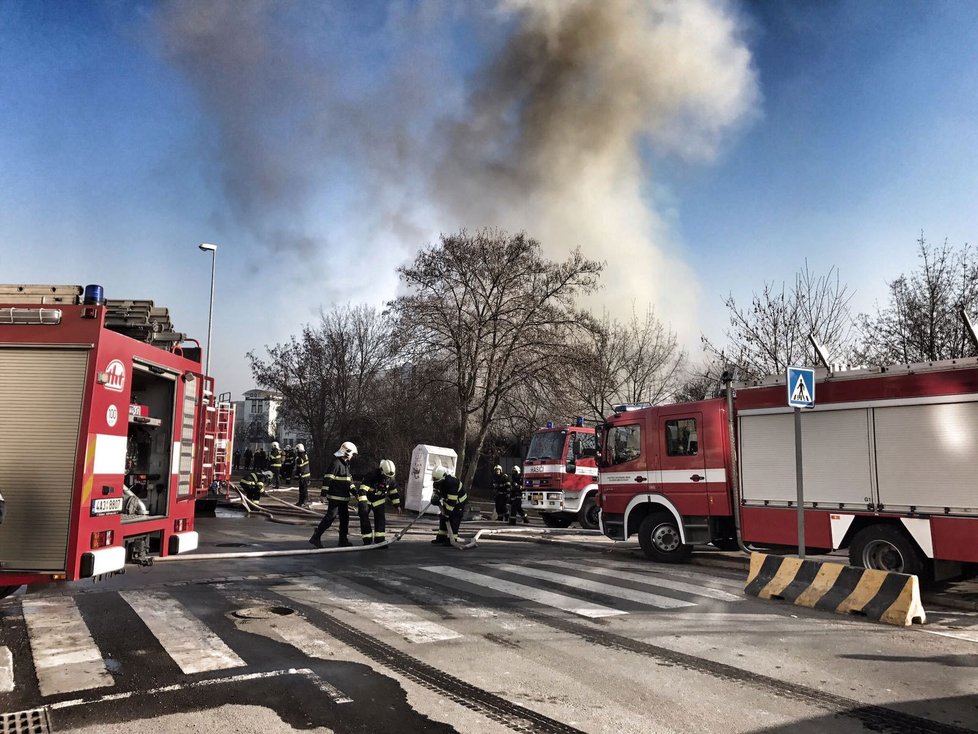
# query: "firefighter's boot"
{"points": [[316, 540], [441, 540], [344, 543], [526, 519], [368, 541], [512, 520]]}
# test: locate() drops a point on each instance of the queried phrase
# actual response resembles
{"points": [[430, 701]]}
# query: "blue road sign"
{"points": [[801, 387]]}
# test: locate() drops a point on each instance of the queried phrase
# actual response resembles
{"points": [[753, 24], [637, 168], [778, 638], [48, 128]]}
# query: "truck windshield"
{"points": [[547, 445]]}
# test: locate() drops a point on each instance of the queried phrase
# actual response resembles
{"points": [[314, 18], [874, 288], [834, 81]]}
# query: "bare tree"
{"points": [[772, 333], [495, 313], [326, 376], [638, 360], [921, 323]]}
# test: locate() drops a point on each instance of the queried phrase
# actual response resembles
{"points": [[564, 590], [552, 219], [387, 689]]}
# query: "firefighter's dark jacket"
{"points": [[501, 484], [337, 481], [449, 493], [302, 465], [253, 481], [275, 458], [378, 489]]}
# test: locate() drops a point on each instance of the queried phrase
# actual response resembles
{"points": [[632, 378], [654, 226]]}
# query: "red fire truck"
{"points": [[108, 434], [888, 469], [560, 475]]}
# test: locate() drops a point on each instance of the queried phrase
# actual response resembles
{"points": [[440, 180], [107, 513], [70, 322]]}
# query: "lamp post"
{"points": [[212, 249]]}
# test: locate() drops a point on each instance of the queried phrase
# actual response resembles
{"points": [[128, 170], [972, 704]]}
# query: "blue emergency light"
{"points": [[579, 421], [550, 424], [94, 295]]}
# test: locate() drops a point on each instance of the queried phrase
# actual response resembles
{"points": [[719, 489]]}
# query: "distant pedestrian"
{"points": [[247, 458], [236, 460], [260, 457], [448, 494], [302, 470], [336, 486], [502, 489]]}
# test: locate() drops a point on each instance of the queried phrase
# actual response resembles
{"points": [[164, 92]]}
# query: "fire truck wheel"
{"points": [[589, 514], [7, 590], [886, 548], [660, 539], [555, 520]]}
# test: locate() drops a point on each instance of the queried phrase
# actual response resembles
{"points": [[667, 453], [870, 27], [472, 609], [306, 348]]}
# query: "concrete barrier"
{"points": [[893, 598]]}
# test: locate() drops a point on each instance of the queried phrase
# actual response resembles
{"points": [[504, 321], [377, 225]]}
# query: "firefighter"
{"points": [[516, 500], [376, 490], [253, 485], [288, 464], [302, 470], [336, 486], [502, 490], [275, 462], [448, 494]]}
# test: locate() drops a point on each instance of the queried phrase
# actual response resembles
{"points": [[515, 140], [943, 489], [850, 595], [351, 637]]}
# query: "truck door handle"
{"points": [[639, 479], [697, 478]]}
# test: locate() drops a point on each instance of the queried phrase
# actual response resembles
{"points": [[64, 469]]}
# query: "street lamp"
{"points": [[212, 249]]}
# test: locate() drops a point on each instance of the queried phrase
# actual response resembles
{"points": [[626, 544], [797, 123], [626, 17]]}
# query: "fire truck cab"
{"points": [[102, 415], [888, 466], [560, 475]]}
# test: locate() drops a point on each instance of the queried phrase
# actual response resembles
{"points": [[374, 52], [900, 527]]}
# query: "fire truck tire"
{"points": [[660, 539], [555, 520], [886, 548], [589, 514], [8, 590]]}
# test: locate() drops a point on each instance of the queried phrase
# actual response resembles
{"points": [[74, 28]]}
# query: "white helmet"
{"points": [[347, 450], [498, 469], [387, 467], [516, 470], [274, 444], [438, 473], [300, 448]]}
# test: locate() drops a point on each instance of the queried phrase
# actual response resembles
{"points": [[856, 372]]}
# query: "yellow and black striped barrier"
{"points": [[893, 598]]}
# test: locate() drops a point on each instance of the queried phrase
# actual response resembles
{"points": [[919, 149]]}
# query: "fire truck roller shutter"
{"points": [[41, 393]]}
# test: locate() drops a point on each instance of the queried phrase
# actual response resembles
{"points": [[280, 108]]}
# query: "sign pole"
{"points": [[801, 486]]}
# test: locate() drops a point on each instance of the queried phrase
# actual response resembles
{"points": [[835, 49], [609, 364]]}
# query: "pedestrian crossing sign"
{"points": [[801, 387]]}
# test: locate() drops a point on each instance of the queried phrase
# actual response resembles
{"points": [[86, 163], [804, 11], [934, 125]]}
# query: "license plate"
{"points": [[107, 506]]}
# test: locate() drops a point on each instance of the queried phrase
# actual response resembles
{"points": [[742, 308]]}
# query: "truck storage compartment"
{"points": [[836, 452], [149, 444], [41, 395]]}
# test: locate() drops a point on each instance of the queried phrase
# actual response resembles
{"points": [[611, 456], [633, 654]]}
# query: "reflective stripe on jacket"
{"points": [[302, 466]]}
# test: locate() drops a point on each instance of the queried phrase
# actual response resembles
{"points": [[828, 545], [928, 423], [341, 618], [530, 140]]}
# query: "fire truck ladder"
{"points": [[222, 445], [143, 321], [207, 442]]}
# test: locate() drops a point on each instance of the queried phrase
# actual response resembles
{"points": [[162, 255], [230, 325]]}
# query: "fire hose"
{"points": [[254, 508]]}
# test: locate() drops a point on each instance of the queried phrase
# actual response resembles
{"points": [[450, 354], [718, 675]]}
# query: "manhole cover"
{"points": [[232, 545], [263, 612], [34, 721]]}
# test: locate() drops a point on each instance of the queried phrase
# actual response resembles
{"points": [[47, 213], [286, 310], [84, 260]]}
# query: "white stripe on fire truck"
{"points": [[185, 638], [644, 578], [390, 616], [66, 658], [6, 670], [668, 476], [547, 598], [576, 582], [110, 454], [529, 471]]}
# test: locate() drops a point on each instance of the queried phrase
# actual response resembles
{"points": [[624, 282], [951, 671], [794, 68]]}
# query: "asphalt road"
{"points": [[510, 636]]}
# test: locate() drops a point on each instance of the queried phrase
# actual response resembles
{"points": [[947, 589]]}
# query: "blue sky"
{"points": [[308, 141]]}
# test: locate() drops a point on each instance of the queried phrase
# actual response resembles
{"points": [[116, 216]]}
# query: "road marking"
{"points": [[6, 670], [185, 638], [547, 598], [66, 658], [576, 582], [304, 672], [962, 635], [658, 580], [410, 626], [294, 629]]}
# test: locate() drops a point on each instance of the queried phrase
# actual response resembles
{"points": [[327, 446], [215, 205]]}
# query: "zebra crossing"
{"points": [[76, 646]]}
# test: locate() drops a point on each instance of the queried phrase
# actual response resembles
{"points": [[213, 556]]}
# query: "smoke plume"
{"points": [[338, 134]]}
